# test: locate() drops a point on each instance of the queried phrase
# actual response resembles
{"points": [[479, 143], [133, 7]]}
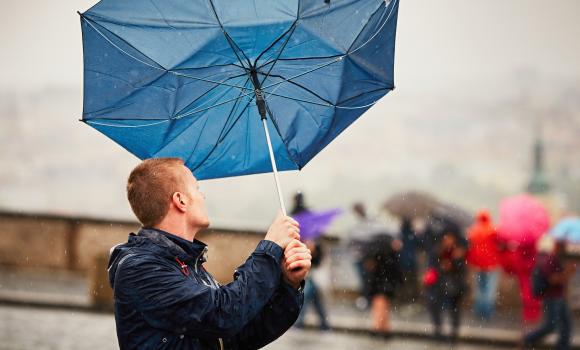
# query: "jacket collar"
{"points": [[170, 245]]}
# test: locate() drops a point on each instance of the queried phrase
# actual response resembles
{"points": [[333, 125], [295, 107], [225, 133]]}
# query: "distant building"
{"points": [[538, 184], [541, 188]]}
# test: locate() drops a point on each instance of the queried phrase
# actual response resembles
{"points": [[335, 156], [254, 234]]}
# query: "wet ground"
{"points": [[23, 328]]}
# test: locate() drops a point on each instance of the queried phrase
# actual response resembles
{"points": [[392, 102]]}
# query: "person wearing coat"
{"points": [[557, 271], [408, 259], [445, 283], [383, 268], [483, 256], [164, 298], [312, 293]]}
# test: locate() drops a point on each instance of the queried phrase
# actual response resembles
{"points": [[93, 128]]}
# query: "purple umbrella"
{"points": [[314, 224]]}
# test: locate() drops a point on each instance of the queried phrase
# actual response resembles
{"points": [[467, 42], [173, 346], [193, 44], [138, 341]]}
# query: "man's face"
{"points": [[448, 241], [560, 248], [197, 213]]}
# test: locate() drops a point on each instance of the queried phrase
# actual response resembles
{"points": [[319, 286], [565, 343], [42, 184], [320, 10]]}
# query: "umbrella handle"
{"points": [[274, 168]]}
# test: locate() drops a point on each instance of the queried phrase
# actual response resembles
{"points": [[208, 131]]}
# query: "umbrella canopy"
{"points": [[454, 213], [379, 245], [411, 204], [522, 219], [200, 79], [314, 224], [568, 229]]}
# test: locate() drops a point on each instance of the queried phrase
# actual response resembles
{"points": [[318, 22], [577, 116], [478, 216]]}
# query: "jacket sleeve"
{"points": [[170, 301], [275, 319]]}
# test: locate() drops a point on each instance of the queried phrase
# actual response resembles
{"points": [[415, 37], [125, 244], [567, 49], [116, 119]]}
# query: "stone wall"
{"points": [[75, 243], [81, 245]]}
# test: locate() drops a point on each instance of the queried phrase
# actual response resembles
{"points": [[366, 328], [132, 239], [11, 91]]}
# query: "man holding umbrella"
{"points": [[164, 297]]}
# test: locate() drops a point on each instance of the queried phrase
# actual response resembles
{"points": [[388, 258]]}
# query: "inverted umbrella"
{"points": [[204, 80], [568, 229], [522, 219], [314, 224]]}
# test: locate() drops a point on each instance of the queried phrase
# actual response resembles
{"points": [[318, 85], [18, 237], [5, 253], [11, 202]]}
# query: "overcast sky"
{"points": [[471, 78]]}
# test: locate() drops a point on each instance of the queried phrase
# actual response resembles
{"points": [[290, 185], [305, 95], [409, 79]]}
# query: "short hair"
{"points": [[150, 187]]}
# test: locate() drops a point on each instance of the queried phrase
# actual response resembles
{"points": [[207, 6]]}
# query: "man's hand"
{"points": [[283, 230], [296, 264]]}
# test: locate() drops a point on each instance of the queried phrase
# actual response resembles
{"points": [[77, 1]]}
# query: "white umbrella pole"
{"points": [[274, 168]]}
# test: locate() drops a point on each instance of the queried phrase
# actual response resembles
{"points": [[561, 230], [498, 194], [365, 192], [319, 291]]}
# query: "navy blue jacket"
{"points": [[165, 299]]}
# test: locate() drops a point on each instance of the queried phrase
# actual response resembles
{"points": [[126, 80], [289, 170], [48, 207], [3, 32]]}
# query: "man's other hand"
{"points": [[296, 264], [283, 230]]}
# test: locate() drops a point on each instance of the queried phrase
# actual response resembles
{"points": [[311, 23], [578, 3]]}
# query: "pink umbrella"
{"points": [[523, 219]]}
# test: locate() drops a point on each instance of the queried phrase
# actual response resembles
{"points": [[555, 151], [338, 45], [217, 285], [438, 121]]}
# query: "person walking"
{"points": [[382, 266], [164, 298], [408, 260], [556, 274], [445, 283], [361, 234], [483, 256], [312, 294]]}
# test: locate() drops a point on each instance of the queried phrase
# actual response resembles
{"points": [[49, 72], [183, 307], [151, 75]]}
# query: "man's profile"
{"points": [[164, 297]]}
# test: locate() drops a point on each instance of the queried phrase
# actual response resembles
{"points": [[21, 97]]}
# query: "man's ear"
{"points": [[179, 201]]}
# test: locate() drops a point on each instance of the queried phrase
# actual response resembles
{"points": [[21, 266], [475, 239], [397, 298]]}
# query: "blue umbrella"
{"points": [[206, 80], [568, 229]]}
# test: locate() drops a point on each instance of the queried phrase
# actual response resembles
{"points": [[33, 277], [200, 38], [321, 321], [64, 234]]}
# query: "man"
{"points": [[361, 234], [557, 273], [312, 294], [164, 297], [447, 287]]}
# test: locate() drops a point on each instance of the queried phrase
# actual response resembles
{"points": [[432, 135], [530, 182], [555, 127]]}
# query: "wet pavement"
{"points": [[23, 328], [53, 314]]}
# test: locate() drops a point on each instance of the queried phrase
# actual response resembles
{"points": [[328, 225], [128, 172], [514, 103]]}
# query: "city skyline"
{"points": [[472, 83]]}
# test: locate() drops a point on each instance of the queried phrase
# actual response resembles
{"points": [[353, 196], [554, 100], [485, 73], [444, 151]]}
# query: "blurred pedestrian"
{"points": [[408, 260], [445, 283], [361, 234], [435, 228], [518, 260], [483, 256], [556, 273], [312, 294], [165, 298], [382, 267]]}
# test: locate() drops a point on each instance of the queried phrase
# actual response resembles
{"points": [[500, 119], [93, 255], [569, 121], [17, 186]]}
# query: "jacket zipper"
{"points": [[199, 256], [205, 249]]}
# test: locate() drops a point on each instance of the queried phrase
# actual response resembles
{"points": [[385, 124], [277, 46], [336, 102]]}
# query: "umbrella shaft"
{"points": [[274, 168], [260, 102]]}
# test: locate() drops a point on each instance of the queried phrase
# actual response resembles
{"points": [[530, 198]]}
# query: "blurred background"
{"points": [[486, 106]]}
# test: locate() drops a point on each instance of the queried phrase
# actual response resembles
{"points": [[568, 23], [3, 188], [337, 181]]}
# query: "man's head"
{"points": [[360, 210], [448, 241], [560, 247], [163, 189]]}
